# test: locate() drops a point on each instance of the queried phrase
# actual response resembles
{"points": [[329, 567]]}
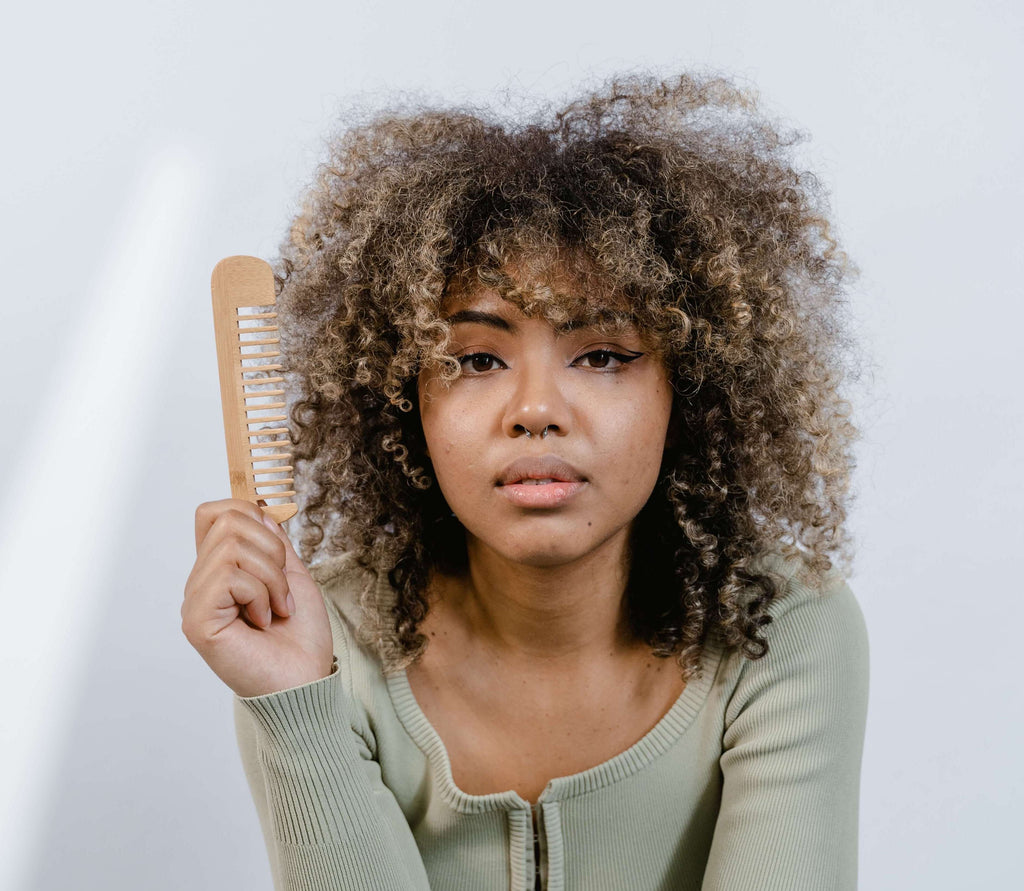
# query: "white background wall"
{"points": [[143, 142]]}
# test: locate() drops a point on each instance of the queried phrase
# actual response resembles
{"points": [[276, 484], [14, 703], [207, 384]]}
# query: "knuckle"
{"points": [[227, 522], [230, 544], [241, 512], [229, 548]]}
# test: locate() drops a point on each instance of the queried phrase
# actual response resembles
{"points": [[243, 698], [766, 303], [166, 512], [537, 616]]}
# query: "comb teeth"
{"points": [[259, 445]]}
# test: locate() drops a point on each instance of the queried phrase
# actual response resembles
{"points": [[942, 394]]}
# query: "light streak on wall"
{"points": [[57, 523]]}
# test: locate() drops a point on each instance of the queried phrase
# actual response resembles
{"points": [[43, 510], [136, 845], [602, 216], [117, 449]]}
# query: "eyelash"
{"points": [[621, 358]]}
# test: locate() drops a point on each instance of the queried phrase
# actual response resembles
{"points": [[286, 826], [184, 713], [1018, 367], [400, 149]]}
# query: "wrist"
{"points": [[296, 682]]}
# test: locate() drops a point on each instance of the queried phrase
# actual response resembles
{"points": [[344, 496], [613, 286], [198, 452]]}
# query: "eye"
{"points": [[479, 363], [605, 359]]}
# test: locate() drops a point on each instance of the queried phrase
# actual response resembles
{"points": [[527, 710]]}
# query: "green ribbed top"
{"points": [[750, 782]]}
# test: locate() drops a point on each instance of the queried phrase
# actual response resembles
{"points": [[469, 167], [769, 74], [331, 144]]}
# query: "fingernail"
{"points": [[270, 523], [270, 617], [291, 605]]}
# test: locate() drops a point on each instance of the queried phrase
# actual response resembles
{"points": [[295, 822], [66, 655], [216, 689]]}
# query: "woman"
{"points": [[576, 466]]}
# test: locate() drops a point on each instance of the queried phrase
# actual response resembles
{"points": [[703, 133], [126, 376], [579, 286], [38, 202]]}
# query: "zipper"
{"points": [[538, 884]]}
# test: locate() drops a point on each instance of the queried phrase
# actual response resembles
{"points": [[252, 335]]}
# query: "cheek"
{"points": [[452, 437], [434, 436], [433, 408], [442, 432], [639, 423], [635, 443]]}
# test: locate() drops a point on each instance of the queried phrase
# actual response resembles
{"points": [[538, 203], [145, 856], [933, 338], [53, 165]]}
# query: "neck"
{"points": [[545, 613]]}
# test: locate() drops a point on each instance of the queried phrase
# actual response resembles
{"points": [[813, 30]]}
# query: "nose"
{"points": [[537, 407]]}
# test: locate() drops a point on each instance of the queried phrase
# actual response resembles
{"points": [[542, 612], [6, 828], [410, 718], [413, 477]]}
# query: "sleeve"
{"points": [[328, 819], [792, 745]]}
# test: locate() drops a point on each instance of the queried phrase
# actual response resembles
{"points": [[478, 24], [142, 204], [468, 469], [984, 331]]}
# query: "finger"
{"points": [[249, 592], [208, 513], [219, 595], [243, 521], [237, 538], [292, 561], [261, 563], [301, 585]]}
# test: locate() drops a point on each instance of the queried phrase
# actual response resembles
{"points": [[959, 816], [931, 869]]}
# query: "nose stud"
{"points": [[543, 433]]}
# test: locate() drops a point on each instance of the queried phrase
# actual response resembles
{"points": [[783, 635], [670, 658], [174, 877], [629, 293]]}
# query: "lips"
{"points": [[543, 483], [541, 470]]}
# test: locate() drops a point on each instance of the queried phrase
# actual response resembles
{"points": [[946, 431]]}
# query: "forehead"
{"points": [[486, 307], [564, 298], [479, 300]]}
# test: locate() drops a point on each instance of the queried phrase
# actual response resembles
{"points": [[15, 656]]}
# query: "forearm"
{"points": [[325, 828]]}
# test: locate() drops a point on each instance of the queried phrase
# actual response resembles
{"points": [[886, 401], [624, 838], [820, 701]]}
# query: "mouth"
{"points": [[541, 482], [539, 470]]}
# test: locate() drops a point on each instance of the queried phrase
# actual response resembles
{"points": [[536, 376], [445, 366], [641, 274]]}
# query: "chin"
{"points": [[544, 558], [542, 551]]}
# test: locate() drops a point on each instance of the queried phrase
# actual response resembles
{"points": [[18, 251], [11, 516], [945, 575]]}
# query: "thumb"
{"points": [[292, 561], [304, 597]]}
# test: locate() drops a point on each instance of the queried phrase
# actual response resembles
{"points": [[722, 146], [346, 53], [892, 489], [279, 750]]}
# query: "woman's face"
{"points": [[549, 443]]}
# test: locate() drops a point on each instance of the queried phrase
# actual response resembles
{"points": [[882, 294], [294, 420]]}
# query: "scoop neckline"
{"points": [[659, 739]]}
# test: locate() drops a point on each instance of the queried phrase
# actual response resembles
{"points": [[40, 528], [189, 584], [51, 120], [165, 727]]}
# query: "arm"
{"points": [[792, 751], [328, 819], [256, 615]]}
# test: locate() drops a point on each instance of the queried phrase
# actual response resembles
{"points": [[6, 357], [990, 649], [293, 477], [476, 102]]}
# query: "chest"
{"points": [[514, 732]]}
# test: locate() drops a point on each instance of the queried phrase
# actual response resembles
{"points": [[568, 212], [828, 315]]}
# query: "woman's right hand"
{"points": [[251, 608]]}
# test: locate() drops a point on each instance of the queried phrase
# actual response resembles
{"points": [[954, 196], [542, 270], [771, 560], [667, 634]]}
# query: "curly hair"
{"points": [[682, 200]]}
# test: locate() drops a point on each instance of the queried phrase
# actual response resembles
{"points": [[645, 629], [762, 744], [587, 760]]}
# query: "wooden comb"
{"points": [[251, 385]]}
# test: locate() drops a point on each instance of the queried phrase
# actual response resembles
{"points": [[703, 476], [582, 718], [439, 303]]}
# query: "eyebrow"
{"points": [[493, 320], [473, 316], [615, 324]]}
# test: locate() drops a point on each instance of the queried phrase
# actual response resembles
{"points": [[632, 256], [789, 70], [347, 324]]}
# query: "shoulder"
{"points": [[792, 741], [343, 583], [817, 647], [806, 611], [347, 587]]}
